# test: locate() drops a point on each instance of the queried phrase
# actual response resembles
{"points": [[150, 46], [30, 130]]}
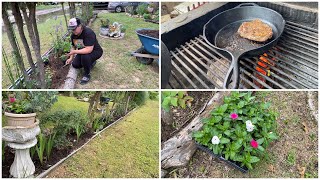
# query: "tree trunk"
{"points": [[93, 106], [72, 9], [13, 42], [19, 21], [32, 15], [64, 14]]}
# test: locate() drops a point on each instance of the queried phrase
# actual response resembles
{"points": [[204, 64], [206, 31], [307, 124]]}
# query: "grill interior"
{"points": [[291, 64]]}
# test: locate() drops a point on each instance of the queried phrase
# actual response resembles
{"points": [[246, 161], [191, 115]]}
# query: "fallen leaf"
{"points": [[305, 127], [302, 171], [271, 168]]}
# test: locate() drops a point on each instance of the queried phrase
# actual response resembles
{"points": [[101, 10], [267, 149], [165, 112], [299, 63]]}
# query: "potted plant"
{"points": [[104, 28], [21, 107], [238, 131]]}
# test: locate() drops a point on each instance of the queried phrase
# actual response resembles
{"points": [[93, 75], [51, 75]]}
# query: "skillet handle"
{"points": [[234, 73], [246, 4]]}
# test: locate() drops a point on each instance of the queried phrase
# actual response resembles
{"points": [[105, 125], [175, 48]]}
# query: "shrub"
{"points": [[239, 130], [146, 16], [142, 9], [63, 123]]}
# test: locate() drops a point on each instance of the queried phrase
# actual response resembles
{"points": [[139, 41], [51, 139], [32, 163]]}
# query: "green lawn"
{"points": [[46, 29], [117, 68], [44, 7], [69, 103], [128, 149]]}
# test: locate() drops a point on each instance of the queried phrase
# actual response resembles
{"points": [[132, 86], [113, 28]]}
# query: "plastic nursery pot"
{"points": [[229, 162], [22, 120]]}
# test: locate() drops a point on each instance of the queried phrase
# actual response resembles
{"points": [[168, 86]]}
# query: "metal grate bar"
{"points": [[294, 63]]}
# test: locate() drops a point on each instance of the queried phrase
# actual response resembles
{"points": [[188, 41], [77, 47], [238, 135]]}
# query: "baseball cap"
{"points": [[73, 23]]}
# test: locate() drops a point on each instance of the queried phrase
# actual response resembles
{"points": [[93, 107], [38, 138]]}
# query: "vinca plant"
{"points": [[239, 130]]}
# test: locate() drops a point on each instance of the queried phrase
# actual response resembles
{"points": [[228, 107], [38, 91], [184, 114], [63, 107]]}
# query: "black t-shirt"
{"points": [[86, 38]]}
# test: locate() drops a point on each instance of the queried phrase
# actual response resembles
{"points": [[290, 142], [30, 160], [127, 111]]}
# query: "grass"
{"points": [[44, 7], [128, 149], [46, 29], [69, 103], [117, 68], [295, 148]]}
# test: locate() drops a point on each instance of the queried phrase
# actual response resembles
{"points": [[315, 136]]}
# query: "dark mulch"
{"points": [[59, 74], [150, 33], [181, 117], [56, 155]]}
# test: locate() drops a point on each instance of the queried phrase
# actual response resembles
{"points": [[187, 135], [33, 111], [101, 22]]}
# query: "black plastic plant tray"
{"points": [[231, 163]]}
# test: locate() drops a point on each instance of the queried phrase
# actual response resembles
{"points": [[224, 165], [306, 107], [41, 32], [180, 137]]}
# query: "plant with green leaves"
{"points": [[79, 129], [20, 102], [50, 144], [240, 130], [175, 98], [142, 9], [40, 147]]}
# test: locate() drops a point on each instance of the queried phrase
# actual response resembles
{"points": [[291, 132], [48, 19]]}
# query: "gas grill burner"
{"points": [[291, 64]]}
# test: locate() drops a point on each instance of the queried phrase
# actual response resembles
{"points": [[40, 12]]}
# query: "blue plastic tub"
{"points": [[150, 44]]}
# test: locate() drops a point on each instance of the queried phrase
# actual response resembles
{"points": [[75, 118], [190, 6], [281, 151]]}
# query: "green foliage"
{"points": [[291, 159], [79, 129], [105, 23], [40, 147], [97, 124], [141, 97], [50, 144], [29, 101], [146, 16], [175, 98], [233, 134], [153, 95], [62, 123], [142, 9]]}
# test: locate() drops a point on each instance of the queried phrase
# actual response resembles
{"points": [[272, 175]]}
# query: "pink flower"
{"points": [[254, 143], [233, 116], [12, 99]]}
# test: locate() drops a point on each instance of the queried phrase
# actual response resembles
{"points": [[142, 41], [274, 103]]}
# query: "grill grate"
{"points": [[292, 64]]}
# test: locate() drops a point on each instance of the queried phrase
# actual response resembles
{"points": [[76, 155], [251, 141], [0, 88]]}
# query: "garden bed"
{"points": [[57, 154], [183, 116], [294, 155], [59, 73]]}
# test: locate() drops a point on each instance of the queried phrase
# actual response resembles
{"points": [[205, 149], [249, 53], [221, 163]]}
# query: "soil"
{"points": [[294, 154], [59, 73], [56, 155], [181, 117], [151, 33]]}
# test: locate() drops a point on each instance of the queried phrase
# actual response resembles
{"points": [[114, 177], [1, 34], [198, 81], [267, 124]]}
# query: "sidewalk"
{"points": [[129, 149]]}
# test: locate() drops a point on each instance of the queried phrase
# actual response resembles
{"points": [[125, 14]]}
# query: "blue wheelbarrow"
{"points": [[149, 51]]}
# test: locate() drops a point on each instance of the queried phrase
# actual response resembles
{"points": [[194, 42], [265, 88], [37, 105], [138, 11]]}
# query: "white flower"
{"points": [[215, 140], [250, 128], [248, 123]]}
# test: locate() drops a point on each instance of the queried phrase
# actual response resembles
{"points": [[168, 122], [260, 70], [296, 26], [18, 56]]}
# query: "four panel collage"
{"points": [[160, 89]]}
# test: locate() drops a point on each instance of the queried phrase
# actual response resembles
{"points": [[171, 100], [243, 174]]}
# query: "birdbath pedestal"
{"points": [[21, 139]]}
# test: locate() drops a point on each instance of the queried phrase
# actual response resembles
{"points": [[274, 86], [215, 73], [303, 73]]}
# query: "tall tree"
{"points": [[64, 13], [94, 100], [36, 42], [12, 39], [72, 9], [19, 22]]}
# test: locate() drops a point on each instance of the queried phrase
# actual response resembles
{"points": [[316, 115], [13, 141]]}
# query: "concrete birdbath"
{"points": [[21, 139]]}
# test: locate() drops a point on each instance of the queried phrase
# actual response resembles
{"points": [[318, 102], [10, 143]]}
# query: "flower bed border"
{"points": [[46, 172], [229, 162]]}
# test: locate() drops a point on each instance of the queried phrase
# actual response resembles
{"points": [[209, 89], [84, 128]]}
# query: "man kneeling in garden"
{"points": [[85, 46]]}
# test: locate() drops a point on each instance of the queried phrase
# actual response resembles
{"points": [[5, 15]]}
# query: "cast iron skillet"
{"points": [[221, 33]]}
